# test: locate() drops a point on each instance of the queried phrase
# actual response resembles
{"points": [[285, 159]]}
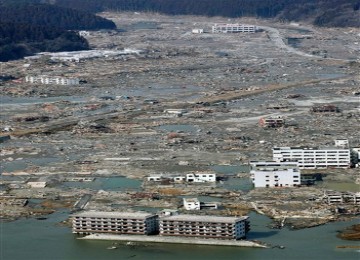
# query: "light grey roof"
{"points": [[114, 214], [199, 218]]}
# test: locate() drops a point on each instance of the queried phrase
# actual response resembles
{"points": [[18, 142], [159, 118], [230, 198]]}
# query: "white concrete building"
{"points": [[275, 174], [313, 158], [234, 28], [115, 222], [205, 226], [177, 112], [201, 177], [191, 203], [84, 33], [196, 31], [337, 197], [158, 178], [344, 143], [52, 80], [37, 184]]}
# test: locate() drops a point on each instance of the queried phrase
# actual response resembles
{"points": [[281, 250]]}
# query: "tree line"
{"points": [[27, 28], [19, 40], [52, 16], [320, 12]]}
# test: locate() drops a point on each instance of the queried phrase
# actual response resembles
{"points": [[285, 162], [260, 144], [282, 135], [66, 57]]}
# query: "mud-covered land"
{"points": [[95, 143]]}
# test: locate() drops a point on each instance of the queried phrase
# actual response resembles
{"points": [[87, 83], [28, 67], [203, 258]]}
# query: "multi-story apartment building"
{"points": [[275, 174], [115, 223], [204, 226], [52, 80], [313, 158], [201, 177], [233, 28]]}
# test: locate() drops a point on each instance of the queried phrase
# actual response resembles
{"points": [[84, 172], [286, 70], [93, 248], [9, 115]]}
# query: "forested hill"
{"points": [[52, 16], [19, 40], [27, 28], [320, 12]]}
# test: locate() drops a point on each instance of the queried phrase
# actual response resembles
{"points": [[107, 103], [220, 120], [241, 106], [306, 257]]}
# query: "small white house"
{"points": [[201, 177], [342, 143], [196, 31], [84, 33], [191, 203], [175, 111], [36, 183]]}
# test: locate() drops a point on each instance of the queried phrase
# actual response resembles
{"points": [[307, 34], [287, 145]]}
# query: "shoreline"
{"points": [[173, 240]]}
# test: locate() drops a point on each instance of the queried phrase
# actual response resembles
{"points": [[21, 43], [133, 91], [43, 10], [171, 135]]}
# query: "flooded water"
{"points": [[237, 184], [45, 239], [107, 184]]}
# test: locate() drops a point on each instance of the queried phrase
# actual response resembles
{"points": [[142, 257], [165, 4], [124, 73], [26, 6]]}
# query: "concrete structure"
{"points": [[336, 197], [196, 31], [171, 178], [313, 158], [191, 203], [36, 183], [174, 240], [204, 226], [355, 156], [325, 108], [52, 80], [168, 212], [84, 33], [115, 222], [344, 143], [272, 121], [275, 174], [190, 177], [177, 112], [195, 204], [234, 28], [201, 177]]}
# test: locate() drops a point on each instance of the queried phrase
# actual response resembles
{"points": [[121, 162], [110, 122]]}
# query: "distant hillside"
{"points": [[328, 13], [320, 12], [19, 40], [26, 29], [52, 16]]}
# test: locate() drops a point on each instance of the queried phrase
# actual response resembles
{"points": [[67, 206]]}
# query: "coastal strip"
{"points": [[173, 240]]}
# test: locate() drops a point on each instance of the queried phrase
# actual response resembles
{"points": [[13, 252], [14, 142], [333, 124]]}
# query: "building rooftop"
{"points": [[198, 218], [310, 148], [272, 163], [114, 214]]}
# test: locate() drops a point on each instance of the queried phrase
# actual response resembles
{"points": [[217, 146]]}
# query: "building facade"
{"points": [[233, 28], [52, 80], [115, 222], [272, 121], [275, 174], [205, 226], [313, 158], [201, 177], [191, 203]]}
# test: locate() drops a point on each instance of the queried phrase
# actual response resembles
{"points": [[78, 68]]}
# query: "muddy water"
{"points": [[45, 239]]}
